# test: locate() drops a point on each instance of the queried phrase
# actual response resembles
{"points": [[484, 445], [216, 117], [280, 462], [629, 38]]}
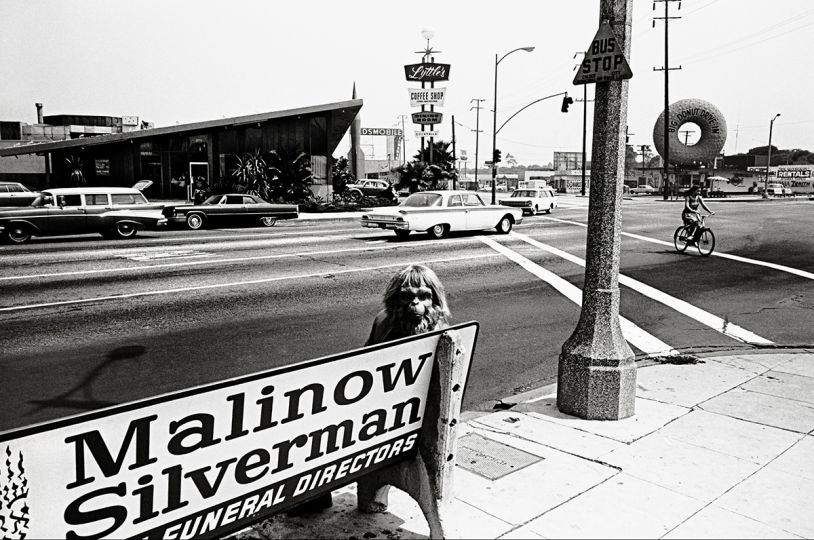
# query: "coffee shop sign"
{"points": [[427, 72]]}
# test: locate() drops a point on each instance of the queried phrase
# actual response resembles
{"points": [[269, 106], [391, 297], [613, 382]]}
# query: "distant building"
{"points": [[565, 161]]}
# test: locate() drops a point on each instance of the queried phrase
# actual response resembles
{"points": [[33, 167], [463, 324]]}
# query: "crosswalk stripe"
{"points": [[775, 266], [685, 308], [635, 335]]}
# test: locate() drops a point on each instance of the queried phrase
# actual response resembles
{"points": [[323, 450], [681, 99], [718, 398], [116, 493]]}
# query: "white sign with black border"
{"points": [[215, 458]]}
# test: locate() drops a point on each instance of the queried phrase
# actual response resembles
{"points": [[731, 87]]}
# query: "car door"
{"points": [[234, 207], [455, 214], [67, 216], [96, 204], [5, 196], [478, 215]]}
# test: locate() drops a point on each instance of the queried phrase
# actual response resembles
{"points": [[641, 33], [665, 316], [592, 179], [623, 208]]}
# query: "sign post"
{"points": [[427, 72]]}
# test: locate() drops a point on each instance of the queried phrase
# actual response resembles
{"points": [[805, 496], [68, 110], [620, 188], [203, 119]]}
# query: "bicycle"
{"points": [[703, 238]]}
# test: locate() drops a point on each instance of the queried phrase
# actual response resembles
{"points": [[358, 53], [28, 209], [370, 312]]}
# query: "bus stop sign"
{"points": [[604, 61]]}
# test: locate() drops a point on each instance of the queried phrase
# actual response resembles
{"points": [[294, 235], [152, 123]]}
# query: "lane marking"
{"points": [[238, 283], [224, 261], [685, 308], [634, 334], [775, 266], [172, 254]]}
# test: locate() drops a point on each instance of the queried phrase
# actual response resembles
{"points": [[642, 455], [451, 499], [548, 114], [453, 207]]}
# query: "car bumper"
{"points": [[395, 225]]}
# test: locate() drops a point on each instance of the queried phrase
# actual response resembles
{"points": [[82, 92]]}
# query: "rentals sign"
{"points": [[209, 460]]}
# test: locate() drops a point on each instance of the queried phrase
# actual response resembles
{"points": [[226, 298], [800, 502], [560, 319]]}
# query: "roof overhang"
{"points": [[344, 113]]}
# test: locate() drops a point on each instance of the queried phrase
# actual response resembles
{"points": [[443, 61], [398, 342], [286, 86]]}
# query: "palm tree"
{"points": [[341, 174], [252, 174], [290, 176], [420, 175], [76, 177]]}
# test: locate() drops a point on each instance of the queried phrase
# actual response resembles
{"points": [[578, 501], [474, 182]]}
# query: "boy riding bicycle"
{"points": [[690, 215]]}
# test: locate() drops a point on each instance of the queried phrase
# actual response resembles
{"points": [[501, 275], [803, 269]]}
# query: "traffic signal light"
{"points": [[496, 156], [566, 101]]}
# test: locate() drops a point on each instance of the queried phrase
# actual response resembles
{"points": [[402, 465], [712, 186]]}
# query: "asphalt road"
{"points": [[86, 322]]}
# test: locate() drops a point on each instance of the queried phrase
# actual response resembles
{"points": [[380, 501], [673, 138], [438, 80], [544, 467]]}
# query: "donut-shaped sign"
{"points": [[708, 118]]}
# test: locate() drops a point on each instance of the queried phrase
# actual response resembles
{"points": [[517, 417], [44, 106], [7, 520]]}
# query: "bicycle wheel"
{"points": [[680, 239], [706, 243]]}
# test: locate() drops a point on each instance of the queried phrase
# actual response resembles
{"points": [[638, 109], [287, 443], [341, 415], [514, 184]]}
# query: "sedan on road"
{"points": [[230, 209], [439, 212], [644, 189], [16, 194]]}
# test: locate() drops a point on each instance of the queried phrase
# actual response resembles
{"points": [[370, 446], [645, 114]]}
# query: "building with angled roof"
{"points": [[173, 157]]}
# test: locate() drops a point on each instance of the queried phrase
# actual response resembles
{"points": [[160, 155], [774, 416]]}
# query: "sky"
{"points": [[181, 61]]}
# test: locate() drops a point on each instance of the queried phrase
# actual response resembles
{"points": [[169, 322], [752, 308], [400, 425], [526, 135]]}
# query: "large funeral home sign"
{"points": [[212, 459], [604, 61]]}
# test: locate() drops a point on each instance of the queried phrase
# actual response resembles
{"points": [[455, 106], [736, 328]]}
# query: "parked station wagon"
{"points": [[112, 212]]}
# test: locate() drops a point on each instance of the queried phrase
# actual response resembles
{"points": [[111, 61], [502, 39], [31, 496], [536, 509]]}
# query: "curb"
{"points": [[510, 401]]}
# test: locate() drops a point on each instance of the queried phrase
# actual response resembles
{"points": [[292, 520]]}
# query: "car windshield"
{"points": [[44, 199], [214, 199], [524, 193], [423, 200]]}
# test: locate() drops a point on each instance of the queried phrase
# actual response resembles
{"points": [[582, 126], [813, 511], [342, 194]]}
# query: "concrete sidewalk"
{"points": [[721, 448]]}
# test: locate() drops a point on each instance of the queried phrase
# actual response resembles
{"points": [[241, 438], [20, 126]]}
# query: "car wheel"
{"points": [[124, 229], [438, 231], [18, 234], [549, 209], [195, 221], [268, 221], [504, 226], [356, 195], [401, 233], [535, 210]]}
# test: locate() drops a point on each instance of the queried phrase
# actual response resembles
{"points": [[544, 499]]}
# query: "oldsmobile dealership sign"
{"points": [[212, 459], [427, 72]]}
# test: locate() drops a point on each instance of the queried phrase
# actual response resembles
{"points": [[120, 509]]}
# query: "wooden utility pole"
{"points": [[666, 69]]}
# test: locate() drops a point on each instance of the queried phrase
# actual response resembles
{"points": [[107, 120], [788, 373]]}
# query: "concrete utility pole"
{"points": [[769, 156], [477, 130], [597, 373]]}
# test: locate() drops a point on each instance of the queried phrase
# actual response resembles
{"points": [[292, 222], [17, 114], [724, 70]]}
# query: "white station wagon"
{"points": [[438, 212], [532, 200]]}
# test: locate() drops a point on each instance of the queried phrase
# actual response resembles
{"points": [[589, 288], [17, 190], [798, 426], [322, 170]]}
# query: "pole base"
{"points": [[596, 389]]}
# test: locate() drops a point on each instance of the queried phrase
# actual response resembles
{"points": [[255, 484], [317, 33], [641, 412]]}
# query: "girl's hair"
{"points": [[415, 275]]}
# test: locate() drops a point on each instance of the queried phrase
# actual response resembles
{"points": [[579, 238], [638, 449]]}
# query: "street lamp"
{"points": [[769, 157], [494, 119]]}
